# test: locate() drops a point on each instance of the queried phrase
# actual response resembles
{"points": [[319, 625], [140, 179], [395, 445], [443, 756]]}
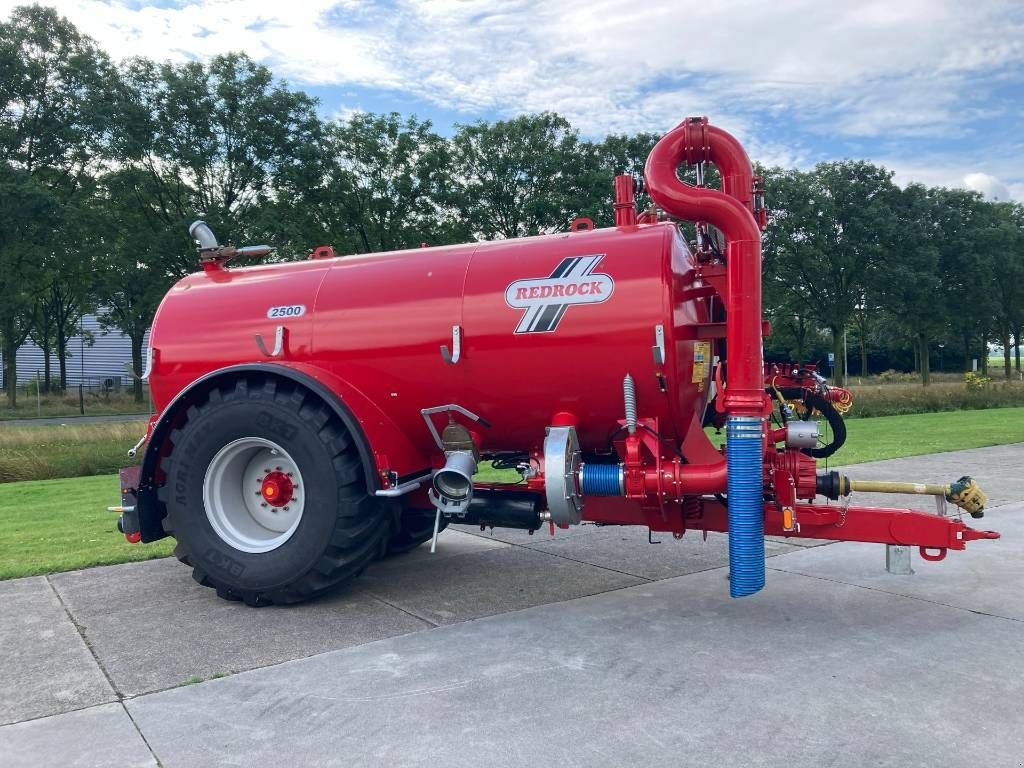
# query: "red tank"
{"points": [[549, 325]]}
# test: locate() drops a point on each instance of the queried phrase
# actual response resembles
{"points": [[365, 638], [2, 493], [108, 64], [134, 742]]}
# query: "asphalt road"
{"points": [[592, 648]]}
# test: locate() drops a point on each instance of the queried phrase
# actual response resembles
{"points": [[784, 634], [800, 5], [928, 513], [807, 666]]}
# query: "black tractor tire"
{"points": [[416, 527], [342, 528]]}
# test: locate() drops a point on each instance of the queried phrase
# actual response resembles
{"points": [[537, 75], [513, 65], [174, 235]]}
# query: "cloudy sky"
{"points": [[933, 89]]}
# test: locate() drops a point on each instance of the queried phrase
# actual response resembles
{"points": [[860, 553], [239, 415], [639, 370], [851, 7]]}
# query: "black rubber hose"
{"points": [[814, 401]]}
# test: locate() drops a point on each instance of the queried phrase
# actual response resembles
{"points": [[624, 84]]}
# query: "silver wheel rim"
{"points": [[233, 497]]}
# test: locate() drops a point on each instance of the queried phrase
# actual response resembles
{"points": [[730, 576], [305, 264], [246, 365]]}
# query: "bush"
{"points": [[28, 387], [976, 382], [896, 400], [898, 377]]}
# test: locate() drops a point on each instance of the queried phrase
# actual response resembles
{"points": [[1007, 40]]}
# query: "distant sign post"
{"points": [[832, 364]]}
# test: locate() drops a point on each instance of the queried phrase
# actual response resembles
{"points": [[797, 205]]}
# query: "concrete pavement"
{"points": [[592, 648]]}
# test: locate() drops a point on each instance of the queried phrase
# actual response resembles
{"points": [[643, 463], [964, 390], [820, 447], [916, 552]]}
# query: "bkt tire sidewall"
{"points": [[201, 439]]}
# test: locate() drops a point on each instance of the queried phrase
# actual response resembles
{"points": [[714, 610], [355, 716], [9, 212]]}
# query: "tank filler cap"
{"points": [[212, 255]]}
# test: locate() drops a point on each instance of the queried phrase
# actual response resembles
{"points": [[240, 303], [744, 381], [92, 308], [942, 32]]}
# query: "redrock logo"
{"points": [[545, 299]]}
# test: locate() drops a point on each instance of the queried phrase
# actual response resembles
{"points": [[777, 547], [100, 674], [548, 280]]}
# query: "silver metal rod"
{"points": [[437, 524]]}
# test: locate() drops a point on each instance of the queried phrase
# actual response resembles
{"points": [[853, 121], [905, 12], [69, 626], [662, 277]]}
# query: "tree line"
{"points": [[103, 166]]}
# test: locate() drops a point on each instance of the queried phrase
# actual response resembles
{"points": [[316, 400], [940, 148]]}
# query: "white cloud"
{"points": [[959, 176], [866, 68], [875, 70], [991, 187]]}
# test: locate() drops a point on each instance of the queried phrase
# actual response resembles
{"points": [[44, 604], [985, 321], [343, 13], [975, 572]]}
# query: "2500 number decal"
{"points": [[292, 310]]}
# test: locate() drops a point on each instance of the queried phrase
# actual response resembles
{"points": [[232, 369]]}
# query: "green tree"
{"points": [[58, 92], [615, 154], [827, 229], [212, 139], [1008, 273], [909, 282], [966, 268], [132, 271], [29, 212], [517, 177], [372, 183]]}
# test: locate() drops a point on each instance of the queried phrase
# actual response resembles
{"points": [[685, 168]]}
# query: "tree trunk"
{"points": [[801, 338], [967, 351], [1016, 349], [46, 369], [984, 354], [917, 355], [62, 359], [922, 347], [1006, 351], [137, 367], [863, 357], [10, 363]]}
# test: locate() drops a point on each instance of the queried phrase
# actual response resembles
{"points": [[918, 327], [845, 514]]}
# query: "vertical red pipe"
{"points": [[730, 210], [625, 201]]}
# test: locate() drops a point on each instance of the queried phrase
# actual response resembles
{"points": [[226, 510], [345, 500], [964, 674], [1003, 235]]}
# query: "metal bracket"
{"points": [[135, 448], [400, 490], [659, 344], [150, 354], [452, 357], [426, 413], [448, 507], [278, 343]]}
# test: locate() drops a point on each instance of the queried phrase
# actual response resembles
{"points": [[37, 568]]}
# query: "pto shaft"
{"points": [[964, 493]]}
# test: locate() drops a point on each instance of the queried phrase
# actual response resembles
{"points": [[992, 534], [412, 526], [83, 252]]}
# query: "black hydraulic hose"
{"points": [[816, 402]]}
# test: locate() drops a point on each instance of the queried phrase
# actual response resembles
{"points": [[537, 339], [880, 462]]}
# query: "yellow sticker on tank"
{"points": [[701, 360]]}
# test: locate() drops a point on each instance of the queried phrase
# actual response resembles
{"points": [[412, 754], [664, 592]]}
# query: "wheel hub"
{"points": [[254, 494], [277, 489]]}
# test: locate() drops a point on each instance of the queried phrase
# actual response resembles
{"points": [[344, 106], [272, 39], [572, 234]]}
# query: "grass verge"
{"points": [[60, 525], [872, 400], [66, 450], [57, 405]]}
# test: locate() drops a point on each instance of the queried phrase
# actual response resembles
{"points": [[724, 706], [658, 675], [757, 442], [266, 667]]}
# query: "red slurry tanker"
{"points": [[315, 416]]}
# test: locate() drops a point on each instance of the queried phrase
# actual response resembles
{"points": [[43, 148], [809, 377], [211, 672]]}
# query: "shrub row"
{"points": [[897, 400]]}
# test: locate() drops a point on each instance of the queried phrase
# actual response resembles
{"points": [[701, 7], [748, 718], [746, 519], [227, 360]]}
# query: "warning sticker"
{"points": [[701, 361]]}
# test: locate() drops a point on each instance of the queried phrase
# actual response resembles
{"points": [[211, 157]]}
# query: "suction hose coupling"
{"points": [[743, 450]]}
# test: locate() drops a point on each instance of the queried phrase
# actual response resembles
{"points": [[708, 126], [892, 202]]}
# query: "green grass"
{"points": [[890, 437], [66, 404], [59, 525], [68, 450]]}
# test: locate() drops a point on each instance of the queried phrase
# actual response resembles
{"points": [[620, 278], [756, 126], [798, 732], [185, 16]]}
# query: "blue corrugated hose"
{"points": [[746, 516], [601, 480]]}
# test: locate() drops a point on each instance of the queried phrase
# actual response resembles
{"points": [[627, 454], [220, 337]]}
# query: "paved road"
{"points": [[72, 420], [592, 648]]}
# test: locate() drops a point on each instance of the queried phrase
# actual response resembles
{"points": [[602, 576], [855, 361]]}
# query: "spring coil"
{"points": [[629, 396]]}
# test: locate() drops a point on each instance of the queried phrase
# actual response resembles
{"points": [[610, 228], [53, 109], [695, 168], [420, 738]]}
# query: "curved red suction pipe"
{"points": [[730, 210]]}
